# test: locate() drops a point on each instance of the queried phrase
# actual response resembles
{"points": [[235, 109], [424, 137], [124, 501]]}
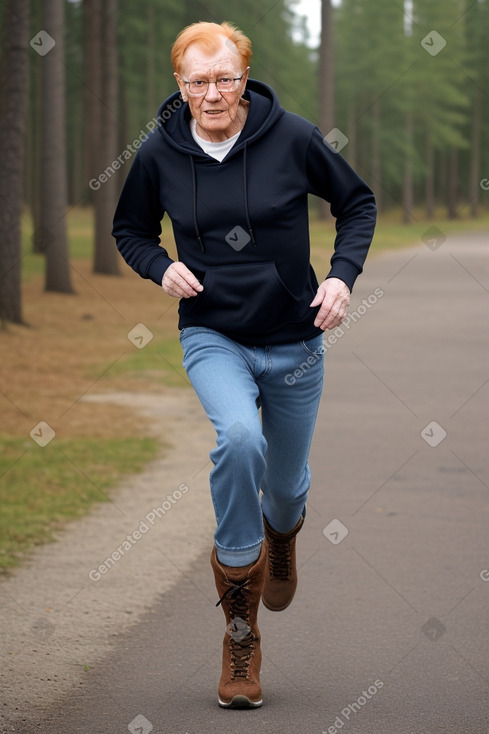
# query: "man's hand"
{"points": [[179, 282], [333, 295]]}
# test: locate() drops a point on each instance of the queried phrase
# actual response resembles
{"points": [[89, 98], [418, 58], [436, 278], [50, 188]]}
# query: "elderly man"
{"points": [[233, 170]]}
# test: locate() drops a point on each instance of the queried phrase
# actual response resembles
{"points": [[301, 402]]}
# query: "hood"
{"points": [[174, 126], [174, 119]]}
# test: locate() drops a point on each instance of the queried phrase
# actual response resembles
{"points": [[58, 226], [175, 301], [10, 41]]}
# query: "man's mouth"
{"points": [[213, 112]]}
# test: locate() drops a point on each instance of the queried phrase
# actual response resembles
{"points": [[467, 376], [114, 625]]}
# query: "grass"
{"points": [[41, 489], [160, 360], [77, 345], [391, 233]]}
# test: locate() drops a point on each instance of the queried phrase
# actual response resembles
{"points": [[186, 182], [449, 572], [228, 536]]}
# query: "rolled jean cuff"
{"points": [[241, 557]]}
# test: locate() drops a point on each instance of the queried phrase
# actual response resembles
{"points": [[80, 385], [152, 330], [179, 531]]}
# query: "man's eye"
{"points": [[225, 79], [198, 83]]}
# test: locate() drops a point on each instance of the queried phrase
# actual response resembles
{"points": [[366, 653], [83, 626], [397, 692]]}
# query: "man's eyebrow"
{"points": [[219, 72]]}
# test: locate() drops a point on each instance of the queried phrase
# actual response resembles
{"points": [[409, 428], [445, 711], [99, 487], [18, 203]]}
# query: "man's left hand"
{"points": [[333, 295]]}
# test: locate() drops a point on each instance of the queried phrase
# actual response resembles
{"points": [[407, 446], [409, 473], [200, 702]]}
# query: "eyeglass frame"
{"points": [[234, 79]]}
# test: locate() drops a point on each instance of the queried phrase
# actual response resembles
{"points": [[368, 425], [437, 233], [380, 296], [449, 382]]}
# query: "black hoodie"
{"points": [[241, 225]]}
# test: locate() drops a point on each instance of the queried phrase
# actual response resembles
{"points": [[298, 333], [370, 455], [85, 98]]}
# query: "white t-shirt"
{"points": [[216, 150]]}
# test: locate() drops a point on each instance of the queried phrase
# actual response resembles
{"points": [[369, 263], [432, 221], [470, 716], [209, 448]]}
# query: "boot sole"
{"points": [[274, 608], [240, 702]]}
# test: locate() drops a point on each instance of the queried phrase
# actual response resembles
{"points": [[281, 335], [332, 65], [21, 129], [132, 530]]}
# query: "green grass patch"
{"points": [[391, 234], [43, 488], [161, 359]]}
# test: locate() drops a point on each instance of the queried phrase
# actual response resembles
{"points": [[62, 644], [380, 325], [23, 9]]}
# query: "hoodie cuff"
{"points": [[158, 268], [345, 271]]}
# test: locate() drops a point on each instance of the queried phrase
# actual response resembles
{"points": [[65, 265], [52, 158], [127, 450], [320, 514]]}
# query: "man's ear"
{"points": [[182, 86]]}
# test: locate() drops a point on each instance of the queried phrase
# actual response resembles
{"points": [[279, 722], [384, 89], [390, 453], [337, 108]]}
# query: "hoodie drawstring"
{"points": [[245, 200], [194, 204], [245, 192]]}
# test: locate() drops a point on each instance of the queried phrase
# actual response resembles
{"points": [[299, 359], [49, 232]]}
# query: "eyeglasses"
{"points": [[199, 87]]}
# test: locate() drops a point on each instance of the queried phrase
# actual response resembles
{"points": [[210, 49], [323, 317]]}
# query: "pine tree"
{"points": [[106, 259], [53, 228], [13, 115]]}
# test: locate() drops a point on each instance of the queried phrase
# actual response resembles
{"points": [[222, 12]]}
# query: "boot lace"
{"points": [[242, 649], [280, 560]]}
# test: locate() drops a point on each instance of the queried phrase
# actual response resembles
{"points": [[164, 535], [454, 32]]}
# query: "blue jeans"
{"points": [[270, 454]]}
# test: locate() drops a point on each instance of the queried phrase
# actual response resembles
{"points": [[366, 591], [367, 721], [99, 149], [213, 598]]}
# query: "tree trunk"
{"points": [[326, 82], [53, 234], [151, 75], [352, 134], [34, 158], [13, 116], [475, 157], [75, 169], [442, 175], [92, 102], [430, 179], [32, 193], [106, 258], [452, 192], [376, 154], [408, 185]]}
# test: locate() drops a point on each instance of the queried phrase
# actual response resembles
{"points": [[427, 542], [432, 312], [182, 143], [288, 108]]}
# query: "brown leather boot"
{"points": [[239, 590], [281, 575]]}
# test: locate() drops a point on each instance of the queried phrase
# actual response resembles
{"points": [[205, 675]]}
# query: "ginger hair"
{"points": [[208, 37]]}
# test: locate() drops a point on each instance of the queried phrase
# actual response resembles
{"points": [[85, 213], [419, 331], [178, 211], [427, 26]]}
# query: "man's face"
{"points": [[215, 112]]}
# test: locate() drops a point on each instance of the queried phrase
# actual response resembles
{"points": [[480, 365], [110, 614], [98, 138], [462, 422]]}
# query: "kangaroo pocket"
{"points": [[244, 299]]}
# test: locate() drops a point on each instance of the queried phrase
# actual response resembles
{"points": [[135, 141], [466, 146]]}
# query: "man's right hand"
{"points": [[179, 282]]}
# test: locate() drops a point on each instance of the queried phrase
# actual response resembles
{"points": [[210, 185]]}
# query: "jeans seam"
{"points": [[244, 548], [318, 353]]}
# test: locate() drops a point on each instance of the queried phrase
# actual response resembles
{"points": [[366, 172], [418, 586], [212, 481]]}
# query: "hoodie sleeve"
{"points": [[352, 204], [137, 224]]}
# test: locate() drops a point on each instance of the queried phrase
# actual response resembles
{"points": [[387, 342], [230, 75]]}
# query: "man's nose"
{"points": [[212, 94]]}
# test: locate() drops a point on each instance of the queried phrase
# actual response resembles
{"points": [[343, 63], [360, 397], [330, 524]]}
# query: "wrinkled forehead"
{"points": [[199, 62]]}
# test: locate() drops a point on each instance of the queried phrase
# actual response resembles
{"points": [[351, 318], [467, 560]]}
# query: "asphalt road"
{"points": [[388, 633]]}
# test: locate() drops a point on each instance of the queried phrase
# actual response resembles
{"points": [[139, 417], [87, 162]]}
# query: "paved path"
{"points": [[388, 633]]}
